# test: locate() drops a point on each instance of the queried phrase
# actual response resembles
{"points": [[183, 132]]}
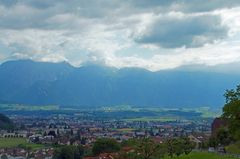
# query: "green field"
{"points": [[34, 146], [19, 107], [15, 142], [125, 130], [11, 142], [202, 155], [147, 119]]}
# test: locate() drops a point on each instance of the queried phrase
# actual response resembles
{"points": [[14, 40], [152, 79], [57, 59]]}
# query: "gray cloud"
{"points": [[37, 14], [206, 5], [79, 30], [8, 3], [75, 14], [22, 14], [192, 31], [185, 5]]}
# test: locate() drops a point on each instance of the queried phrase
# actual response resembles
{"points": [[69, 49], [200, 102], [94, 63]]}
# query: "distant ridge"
{"points": [[5, 123], [43, 83]]}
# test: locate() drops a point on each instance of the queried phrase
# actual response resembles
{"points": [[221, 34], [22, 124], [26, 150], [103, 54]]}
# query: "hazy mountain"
{"points": [[17, 76], [41, 83], [5, 123]]}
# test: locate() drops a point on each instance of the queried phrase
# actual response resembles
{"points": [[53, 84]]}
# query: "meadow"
{"points": [[147, 119], [20, 107], [16, 142], [11, 142], [203, 155], [234, 148]]}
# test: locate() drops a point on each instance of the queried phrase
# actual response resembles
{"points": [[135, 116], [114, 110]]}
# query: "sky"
{"points": [[152, 34]]}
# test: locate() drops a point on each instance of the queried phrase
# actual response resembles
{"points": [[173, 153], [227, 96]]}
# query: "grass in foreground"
{"points": [[234, 148], [203, 155]]}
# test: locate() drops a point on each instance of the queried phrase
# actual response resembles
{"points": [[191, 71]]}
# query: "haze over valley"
{"points": [[41, 83]]}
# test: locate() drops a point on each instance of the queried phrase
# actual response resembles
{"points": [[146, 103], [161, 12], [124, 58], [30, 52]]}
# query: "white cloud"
{"points": [[82, 31], [208, 55], [231, 17]]}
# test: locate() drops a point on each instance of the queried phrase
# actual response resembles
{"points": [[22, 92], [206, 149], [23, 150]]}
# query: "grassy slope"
{"points": [[11, 142], [234, 148], [15, 142], [202, 155]]}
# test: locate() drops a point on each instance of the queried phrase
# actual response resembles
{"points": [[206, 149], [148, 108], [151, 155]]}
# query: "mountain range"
{"points": [[5, 123], [91, 85]]}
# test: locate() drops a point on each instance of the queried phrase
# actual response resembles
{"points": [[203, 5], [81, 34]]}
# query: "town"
{"points": [[46, 132]]}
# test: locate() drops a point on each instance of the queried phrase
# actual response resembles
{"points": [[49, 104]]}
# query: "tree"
{"points": [[83, 141], [148, 149], [231, 111], [170, 148], [144, 148], [187, 145], [127, 155], [69, 152], [105, 145], [213, 142], [52, 133], [232, 95], [178, 147], [81, 149], [130, 142], [223, 137]]}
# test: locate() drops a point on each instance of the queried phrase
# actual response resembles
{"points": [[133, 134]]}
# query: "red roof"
{"points": [[218, 123]]}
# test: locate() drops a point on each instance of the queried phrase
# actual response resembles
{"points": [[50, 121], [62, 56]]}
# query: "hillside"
{"points": [[40, 83], [204, 155], [5, 123]]}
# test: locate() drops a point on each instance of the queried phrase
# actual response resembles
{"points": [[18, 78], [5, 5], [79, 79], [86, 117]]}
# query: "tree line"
{"points": [[143, 148], [230, 131]]}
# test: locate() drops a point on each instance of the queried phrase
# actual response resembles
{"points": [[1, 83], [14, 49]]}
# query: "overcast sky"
{"points": [[153, 34]]}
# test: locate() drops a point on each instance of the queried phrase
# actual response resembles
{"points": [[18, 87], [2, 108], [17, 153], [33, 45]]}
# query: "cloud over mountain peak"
{"points": [[157, 34]]}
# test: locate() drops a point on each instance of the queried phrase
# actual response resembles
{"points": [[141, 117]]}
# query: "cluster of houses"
{"points": [[70, 130], [20, 153], [15, 134]]}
